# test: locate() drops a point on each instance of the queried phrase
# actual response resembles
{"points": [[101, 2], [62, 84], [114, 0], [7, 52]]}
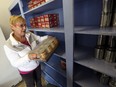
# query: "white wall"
{"points": [[4, 16], [8, 75]]}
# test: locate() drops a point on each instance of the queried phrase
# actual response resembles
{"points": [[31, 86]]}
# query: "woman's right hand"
{"points": [[32, 56]]}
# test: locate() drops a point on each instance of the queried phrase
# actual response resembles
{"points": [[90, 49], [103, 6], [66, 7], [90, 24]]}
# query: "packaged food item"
{"points": [[45, 21], [34, 3], [46, 48], [63, 64], [32, 22]]}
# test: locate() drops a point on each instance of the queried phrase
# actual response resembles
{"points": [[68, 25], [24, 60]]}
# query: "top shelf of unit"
{"points": [[49, 5], [95, 30]]}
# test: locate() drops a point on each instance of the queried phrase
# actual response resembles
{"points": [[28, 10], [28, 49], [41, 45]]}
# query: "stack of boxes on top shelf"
{"points": [[45, 21], [34, 3]]}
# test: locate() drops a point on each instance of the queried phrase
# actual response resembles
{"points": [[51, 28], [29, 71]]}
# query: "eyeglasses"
{"points": [[21, 25]]}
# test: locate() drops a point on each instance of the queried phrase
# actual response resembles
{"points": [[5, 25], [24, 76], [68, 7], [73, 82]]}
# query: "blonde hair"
{"points": [[15, 18]]}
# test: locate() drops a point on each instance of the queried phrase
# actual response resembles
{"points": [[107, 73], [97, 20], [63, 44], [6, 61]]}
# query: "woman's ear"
{"points": [[12, 27]]}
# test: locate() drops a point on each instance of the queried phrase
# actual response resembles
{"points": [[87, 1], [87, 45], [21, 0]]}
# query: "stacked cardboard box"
{"points": [[45, 21], [45, 49], [35, 3], [32, 23]]}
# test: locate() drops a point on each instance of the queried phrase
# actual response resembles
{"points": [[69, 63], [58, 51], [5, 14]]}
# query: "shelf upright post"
{"points": [[21, 8], [69, 34]]}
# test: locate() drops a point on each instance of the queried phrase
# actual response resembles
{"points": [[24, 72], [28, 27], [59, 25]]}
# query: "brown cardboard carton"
{"points": [[46, 48]]}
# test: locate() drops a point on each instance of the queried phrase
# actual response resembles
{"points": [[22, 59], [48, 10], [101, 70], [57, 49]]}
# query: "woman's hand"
{"points": [[32, 56]]}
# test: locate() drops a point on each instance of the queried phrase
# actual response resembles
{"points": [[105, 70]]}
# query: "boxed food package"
{"points": [[47, 21], [63, 64], [35, 3], [30, 5], [51, 17], [32, 23], [45, 49]]}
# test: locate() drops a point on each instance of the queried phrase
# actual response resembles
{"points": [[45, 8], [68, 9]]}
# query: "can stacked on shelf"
{"points": [[106, 13], [104, 49], [100, 48], [104, 79], [110, 53], [112, 82]]}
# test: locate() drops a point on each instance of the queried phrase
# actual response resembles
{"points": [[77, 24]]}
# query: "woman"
{"points": [[17, 49]]}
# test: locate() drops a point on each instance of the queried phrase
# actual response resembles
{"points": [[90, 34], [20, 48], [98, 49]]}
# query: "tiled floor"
{"points": [[21, 84]]}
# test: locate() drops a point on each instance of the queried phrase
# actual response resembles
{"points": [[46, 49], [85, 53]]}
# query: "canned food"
{"points": [[112, 83], [99, 52], [104, 79], [110, 55], [101, 40], [112, 41]]}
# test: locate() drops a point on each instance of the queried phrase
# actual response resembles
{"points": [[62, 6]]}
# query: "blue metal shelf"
{"points": [[54, 63], [60, 52], [49, 5], [111, 31], [86, 77], [56, 30], [49, 79], [85, 56], [56, 76]]}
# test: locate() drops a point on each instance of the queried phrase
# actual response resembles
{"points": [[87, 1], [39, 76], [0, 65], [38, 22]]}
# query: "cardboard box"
{"points": [[45, 49], [46, 21], [35, 3]]}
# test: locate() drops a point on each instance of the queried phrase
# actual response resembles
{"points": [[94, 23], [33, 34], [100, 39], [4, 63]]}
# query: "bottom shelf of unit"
{"points": [[87, 78], [61, 80], [55, 63], [49, 79]]}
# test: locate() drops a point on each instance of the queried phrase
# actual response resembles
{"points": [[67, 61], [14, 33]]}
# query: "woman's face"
{"points": [[19, 29]]}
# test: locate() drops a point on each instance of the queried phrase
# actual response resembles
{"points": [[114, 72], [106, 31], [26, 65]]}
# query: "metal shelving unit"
{"points": [[86, 30], [52, 69], [80, 20]]}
